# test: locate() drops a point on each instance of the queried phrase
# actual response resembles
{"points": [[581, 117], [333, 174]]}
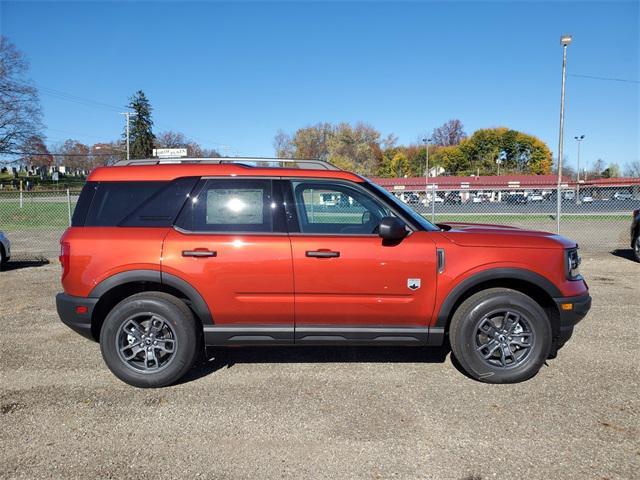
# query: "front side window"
{"points": [[324, 207], [232, 206]]}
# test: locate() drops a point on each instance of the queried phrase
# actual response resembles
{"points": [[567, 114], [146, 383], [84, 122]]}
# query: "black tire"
{"points": [[636, 247], [179, 326], [470, 342]]}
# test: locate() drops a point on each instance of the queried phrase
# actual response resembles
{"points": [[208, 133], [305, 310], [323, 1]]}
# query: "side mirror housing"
{"points": [[392, 228]]}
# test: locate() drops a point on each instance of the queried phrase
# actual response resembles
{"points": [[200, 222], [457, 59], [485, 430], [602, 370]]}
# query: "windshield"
{"points": [[409, 212]]}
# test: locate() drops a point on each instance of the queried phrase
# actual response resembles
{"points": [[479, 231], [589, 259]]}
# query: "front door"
{"points": [[345, 275], [230, 243]]}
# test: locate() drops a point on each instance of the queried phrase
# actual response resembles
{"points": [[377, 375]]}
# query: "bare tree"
{"points": [[170, 139], [633, 169], [36, 154], [283, 145], [20, 114], [449, 134], [74, 156], [107, 153]]}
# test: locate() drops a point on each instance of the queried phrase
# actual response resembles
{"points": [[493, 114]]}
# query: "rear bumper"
{"points": [[67, 311], [580, 306]]}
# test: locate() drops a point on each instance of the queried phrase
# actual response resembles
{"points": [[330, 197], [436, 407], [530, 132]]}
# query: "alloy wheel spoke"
{"points": [[491, 346], [510, 321], [134, 329], [150, 356], [135, 349], [488, 328], [167, 345], [521, 340], [155, 325]]}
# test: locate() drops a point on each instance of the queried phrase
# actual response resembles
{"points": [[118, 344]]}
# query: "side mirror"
{"points": [[392, 228]]}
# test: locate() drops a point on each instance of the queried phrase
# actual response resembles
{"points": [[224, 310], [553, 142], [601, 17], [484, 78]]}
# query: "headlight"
{"points": [[573, 264]]}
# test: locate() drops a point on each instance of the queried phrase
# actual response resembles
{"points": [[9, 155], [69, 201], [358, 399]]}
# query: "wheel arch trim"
{"points": [[133, 276], [491, 274]]}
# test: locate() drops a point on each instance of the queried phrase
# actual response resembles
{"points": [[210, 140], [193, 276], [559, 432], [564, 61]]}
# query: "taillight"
{"points": [[65, 254]]}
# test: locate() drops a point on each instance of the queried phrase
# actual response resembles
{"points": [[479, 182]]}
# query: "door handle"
{"points": [[322, 253], [199, 252]]}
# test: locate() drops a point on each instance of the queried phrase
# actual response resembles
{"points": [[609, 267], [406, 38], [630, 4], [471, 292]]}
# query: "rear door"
{"points": [[230, 243], [346, 276]]}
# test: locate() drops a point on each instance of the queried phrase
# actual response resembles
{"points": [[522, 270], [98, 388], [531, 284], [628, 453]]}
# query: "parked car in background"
{"points": [[622, 196], [162, 260], [516, 198], [586, 199], [569, 195], [635, 234], [535, 198], [5, 249], [453, 198]]}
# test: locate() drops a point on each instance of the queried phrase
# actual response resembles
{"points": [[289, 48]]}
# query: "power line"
{"points": [[60, 95], [610, 79], [40, 154]]}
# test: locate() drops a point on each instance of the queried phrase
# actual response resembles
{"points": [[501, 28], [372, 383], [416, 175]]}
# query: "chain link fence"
{"points": [[598, 219], [34, 221]]}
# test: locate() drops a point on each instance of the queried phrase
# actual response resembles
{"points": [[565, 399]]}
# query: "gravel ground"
{"points": [[319, 413]]}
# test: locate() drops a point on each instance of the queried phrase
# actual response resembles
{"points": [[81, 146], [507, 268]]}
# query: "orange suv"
{"points": [[166, 258]]}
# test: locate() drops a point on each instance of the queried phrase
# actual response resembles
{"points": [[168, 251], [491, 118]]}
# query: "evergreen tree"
{"points": [[141, 136]]}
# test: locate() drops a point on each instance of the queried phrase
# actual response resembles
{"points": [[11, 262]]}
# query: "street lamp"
{"points": [[565, 41], [579, 140], [426, 172]]}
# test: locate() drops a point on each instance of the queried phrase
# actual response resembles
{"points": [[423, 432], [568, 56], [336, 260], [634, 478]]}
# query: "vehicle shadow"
{"points": [[18, 264], [625, 253], [224, 358]]}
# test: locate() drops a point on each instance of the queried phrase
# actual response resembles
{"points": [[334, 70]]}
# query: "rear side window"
{"points": [[236, 206], [132, 204]]}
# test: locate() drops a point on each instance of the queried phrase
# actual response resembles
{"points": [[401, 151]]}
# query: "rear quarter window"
{"points": [[131, 204]]}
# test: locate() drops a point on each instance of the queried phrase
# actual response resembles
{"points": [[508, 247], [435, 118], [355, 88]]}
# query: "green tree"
{"points": [[141, 135], [612, 171]]}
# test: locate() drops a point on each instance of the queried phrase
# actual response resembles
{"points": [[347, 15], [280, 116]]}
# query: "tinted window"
{"points": [[161, 209], [83, 204], [231, 206], [114, 201], [336, 208]]}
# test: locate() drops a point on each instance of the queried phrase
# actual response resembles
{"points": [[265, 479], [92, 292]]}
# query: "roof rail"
{"points": [[260, 162]]}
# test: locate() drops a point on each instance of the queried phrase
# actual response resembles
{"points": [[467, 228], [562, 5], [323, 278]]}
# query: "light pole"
{"points": [[579, 140], [426, 171], [565, 41]]}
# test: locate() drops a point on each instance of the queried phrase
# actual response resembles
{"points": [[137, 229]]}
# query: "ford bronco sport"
{"points": [[166, 258]]}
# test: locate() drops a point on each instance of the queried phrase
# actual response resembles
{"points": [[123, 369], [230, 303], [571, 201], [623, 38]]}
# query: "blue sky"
{"points": [[234, 73]]}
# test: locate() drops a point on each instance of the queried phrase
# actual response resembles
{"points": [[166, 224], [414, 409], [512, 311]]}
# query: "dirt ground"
{"points": [[319, 412]]}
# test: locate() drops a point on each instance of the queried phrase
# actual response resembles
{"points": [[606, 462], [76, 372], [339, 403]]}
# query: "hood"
{"points": [[485, 235]]}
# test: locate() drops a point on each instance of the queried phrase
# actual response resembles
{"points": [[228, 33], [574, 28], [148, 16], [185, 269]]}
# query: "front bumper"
{"points": [[67, 311], [569, 317]]}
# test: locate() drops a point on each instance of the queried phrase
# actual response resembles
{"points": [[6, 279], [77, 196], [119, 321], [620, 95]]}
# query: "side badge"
{"points": [[413, 283]]}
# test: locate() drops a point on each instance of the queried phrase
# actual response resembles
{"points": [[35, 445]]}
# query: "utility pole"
{"points": [[127, 116], [565, 40], [579, 140]]}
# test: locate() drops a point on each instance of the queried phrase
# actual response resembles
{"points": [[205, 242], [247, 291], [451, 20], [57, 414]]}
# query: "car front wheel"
{"points": [[149, 340], [500, 335]]}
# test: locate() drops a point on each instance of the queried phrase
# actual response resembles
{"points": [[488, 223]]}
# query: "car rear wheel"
{"points": [[636, 247], [500, 336], [149, 339]]}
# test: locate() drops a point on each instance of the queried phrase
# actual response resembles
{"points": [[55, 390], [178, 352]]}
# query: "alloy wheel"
{"points": [[146, 342], [504, 339]]}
